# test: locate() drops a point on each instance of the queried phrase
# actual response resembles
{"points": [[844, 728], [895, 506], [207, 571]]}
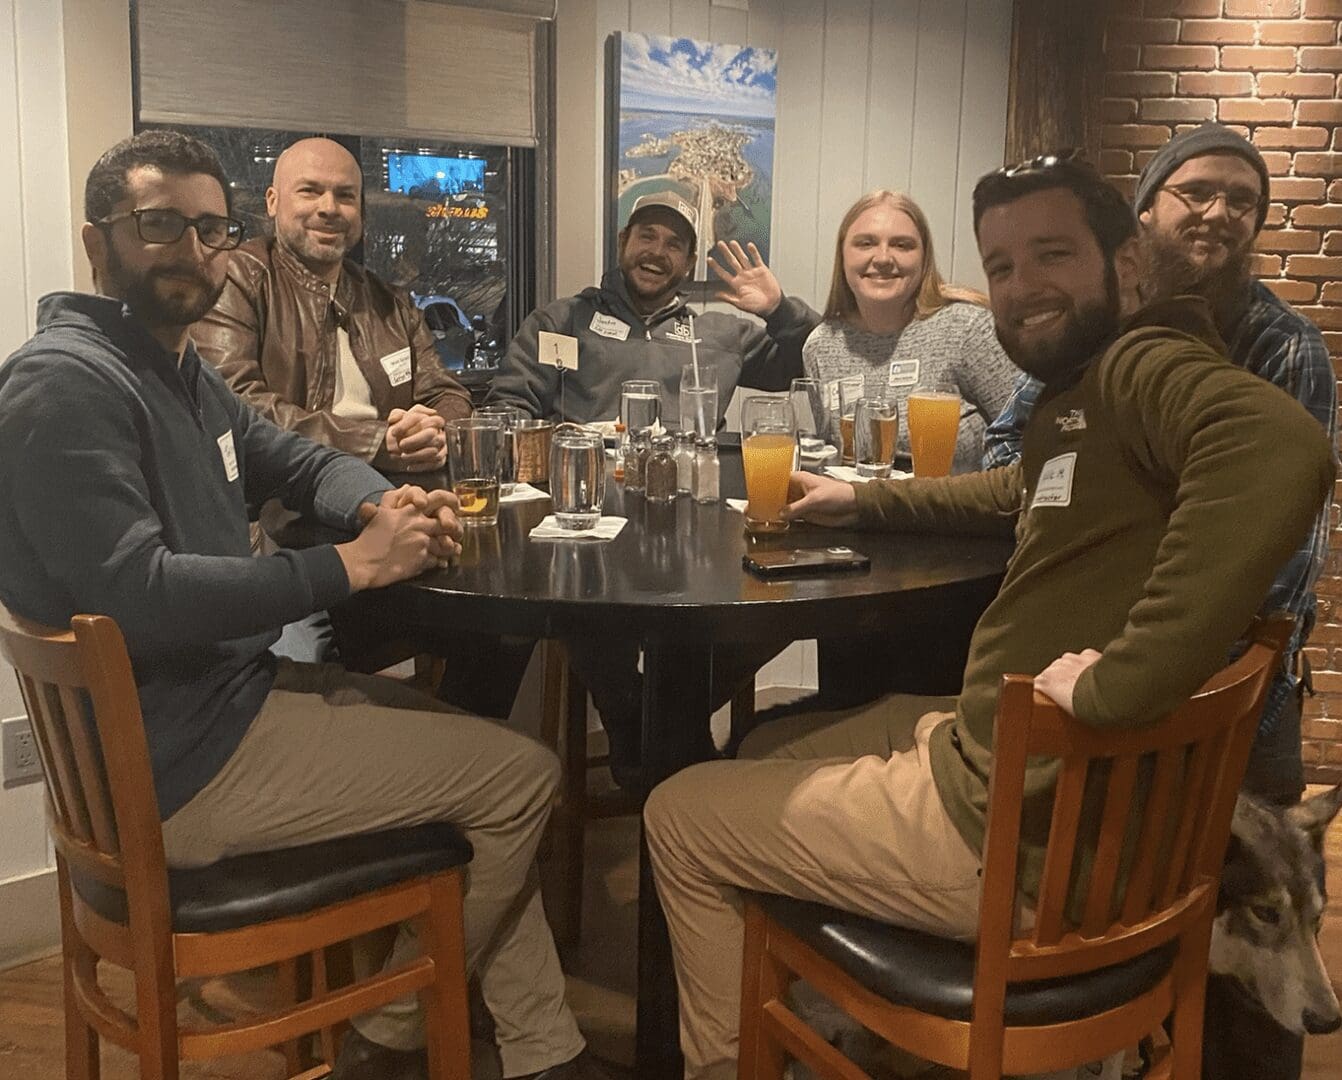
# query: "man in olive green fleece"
{"points": [[1145, 544]]}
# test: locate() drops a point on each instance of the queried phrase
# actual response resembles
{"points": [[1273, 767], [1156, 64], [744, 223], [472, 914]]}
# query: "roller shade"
{"points": [[362, 67]]}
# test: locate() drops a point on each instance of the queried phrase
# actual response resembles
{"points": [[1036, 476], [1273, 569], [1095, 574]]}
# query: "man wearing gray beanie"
{"points": [[1201, 201]]}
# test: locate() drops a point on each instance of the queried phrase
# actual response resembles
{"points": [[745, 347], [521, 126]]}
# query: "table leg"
{"points": [[677, 708]]}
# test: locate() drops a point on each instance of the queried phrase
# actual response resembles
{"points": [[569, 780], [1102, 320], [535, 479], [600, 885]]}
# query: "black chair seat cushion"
{"points": [[268, 885], [936, 975]]}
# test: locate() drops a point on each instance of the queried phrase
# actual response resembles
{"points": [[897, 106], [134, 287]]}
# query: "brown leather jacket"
{"points": [[272, 337]]}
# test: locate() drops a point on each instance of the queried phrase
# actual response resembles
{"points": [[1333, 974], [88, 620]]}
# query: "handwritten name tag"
{"points": [[1055, 482], [397, 366], [229, 454], [608, 326]]}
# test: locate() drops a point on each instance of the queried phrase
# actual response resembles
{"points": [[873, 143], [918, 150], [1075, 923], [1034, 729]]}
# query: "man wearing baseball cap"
{"points": [[636, 325], [1201, 202]]}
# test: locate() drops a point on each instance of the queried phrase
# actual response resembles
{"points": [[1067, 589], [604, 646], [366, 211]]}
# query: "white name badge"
{"points": [[609, 326], [229, 454], [558, 350], [397, 366], [1055, 482], [904, 372]]}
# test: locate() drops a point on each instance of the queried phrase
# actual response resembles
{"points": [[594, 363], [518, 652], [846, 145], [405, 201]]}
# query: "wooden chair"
{"points": [[1067, 990], [564, 728], [120, 904]]}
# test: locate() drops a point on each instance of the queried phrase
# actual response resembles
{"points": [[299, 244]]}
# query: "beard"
{"points": [[314, 254], [163, 295], [1086, 327], [1171, 272]]}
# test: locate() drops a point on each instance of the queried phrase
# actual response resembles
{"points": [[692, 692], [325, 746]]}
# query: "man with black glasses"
{"points": [[1201, 202], [1141, 489], [127, 473]]}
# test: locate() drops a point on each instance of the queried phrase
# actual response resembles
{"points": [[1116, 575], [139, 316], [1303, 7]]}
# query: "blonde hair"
{"points": [[933, 292]]}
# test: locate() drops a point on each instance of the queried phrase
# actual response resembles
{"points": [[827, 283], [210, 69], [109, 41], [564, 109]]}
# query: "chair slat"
{"points": [[1190, 804], [1150, 842], [46, 714], [1218, 750], [1050, 917], [98, 800], [1109, 845], [58, 802]]}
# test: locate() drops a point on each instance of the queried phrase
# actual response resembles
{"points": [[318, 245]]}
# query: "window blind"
{"points": [[408, 68]]}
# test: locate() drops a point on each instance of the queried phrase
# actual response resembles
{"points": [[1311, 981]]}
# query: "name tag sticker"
{"points": [[229, 454], [609, 326], [904, 372], [559, 350], [397, 366], [1055, 482]]}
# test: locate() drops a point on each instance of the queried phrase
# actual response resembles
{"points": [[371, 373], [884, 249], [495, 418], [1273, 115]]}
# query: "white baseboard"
{"points": [[31, 927]]}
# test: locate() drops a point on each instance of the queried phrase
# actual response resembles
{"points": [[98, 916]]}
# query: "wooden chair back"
{"points": [[84, 708], [1148, 873]]}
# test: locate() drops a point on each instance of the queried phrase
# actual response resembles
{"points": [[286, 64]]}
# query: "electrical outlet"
{"points": [[18, 752]]}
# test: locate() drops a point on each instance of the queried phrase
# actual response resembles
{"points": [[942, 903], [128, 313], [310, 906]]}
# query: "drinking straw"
{"points": [[702, 420]]}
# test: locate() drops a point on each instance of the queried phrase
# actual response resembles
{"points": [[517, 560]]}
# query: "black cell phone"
{"points": [[805, 562]]}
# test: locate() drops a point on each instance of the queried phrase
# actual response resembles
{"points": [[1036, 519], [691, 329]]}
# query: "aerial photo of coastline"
{"points": [[698, 118]]}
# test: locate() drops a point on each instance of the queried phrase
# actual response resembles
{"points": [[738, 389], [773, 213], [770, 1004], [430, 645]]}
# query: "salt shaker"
{"points": [[706, 470], [685, 454], [636, 460], [660, 472]]}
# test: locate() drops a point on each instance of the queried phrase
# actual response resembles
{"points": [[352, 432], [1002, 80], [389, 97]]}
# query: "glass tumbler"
{"points": [[474, 449], [847, 392], [508, 415], [640, 404], [875, 433], [577, 476], [699, 398], [811, 414]]}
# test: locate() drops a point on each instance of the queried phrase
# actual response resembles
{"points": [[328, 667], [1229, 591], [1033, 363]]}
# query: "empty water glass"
{"points": [[577, 476], [811, 415], [875, 433], [508, 415], [699, 398]]}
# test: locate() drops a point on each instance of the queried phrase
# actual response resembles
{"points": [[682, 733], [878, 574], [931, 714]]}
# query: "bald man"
{"points": [[315, 342]]}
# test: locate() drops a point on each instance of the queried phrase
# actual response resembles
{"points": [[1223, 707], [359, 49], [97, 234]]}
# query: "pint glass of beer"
{"points": [[474, 454], [768, 455], [934, 422]]}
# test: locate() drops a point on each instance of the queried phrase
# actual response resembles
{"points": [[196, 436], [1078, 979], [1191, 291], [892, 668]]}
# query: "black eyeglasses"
{"points": [[1200, 198], [1043, 162], [167, 227]]}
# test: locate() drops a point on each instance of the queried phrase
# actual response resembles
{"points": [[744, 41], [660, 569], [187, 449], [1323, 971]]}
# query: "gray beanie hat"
{"points": [[1208, 138]]}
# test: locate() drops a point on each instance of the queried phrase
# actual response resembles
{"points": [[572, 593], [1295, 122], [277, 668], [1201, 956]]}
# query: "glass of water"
{"points": [[811, 414], [640, 404], [577, 476], [699, 398], [507, 415], [875, 432]]}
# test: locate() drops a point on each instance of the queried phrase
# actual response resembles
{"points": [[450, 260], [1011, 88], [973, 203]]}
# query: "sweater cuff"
{"points": [[788, 314], [326, 573]]}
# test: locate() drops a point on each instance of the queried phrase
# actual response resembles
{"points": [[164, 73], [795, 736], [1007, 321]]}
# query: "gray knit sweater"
{"points": [[955, 347]]}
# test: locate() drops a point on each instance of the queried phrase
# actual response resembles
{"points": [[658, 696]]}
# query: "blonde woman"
{"points": [[891, 319]]}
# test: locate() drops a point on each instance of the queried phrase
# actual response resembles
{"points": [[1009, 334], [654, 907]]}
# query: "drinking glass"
{"points": [[934, 423], [875, 432], [577, 476], [699, 398], [508, 415], [768, 455], [474, 449], [811, 414], [640, 404], [847, 392]]}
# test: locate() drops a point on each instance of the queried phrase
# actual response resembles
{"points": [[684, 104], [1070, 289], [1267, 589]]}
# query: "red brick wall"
{"points": [[1271, 69]]}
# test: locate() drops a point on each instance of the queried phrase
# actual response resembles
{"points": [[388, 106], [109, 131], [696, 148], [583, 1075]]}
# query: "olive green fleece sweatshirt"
{"points": [[1153, 503]]}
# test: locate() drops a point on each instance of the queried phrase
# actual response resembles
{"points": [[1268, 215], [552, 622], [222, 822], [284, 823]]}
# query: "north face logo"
{"points": [[1072, 420]]}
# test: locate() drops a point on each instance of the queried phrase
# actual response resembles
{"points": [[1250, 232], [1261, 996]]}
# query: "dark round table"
{"points": [[673, 578]]}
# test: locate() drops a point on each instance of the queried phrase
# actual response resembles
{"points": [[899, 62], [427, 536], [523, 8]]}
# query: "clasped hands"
{"points": [[409, 531], [416, 439]]}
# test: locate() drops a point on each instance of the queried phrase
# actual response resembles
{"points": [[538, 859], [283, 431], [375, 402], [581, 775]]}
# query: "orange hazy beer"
{"points": [[934, 422], [767, 459]]}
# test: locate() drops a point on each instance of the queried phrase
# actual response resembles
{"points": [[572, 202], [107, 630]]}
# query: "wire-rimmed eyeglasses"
{"points": [[164, 226], [1200, 198]]}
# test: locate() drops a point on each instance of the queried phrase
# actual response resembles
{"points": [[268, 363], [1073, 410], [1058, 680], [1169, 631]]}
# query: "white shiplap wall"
{"points": [[909, 94]]}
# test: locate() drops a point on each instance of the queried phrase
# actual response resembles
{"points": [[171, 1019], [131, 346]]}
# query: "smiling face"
{"points": [[1207, 239], [168, 286], [1054, 295], [883, 259], [314, 201], [656, 253]]}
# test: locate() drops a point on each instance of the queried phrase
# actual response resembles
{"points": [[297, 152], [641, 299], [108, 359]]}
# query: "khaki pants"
{"points": [[332, 754], [842, 810]]}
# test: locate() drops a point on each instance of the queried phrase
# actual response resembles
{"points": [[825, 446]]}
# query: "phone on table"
{"points": [[805, 562]]}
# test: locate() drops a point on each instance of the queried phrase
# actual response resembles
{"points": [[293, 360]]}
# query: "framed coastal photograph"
{"points": [[695, 118]]}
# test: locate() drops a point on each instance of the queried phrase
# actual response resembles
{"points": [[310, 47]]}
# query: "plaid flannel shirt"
{"points": [[1277, 343]]}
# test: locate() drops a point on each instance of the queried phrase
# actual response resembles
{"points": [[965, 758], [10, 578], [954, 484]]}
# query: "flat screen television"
{"points": [[430, 176]]}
